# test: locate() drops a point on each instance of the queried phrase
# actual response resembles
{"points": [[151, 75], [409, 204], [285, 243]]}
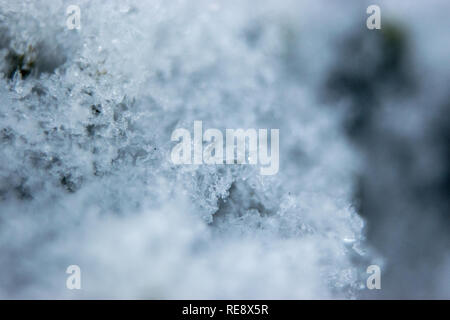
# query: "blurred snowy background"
{"points": [[85, 173]]}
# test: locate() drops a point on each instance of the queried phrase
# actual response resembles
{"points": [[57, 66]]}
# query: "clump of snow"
{"points": [[85, 170]]}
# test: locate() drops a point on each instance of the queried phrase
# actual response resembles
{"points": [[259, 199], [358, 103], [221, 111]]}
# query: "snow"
{"points": [[85, 170]]}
